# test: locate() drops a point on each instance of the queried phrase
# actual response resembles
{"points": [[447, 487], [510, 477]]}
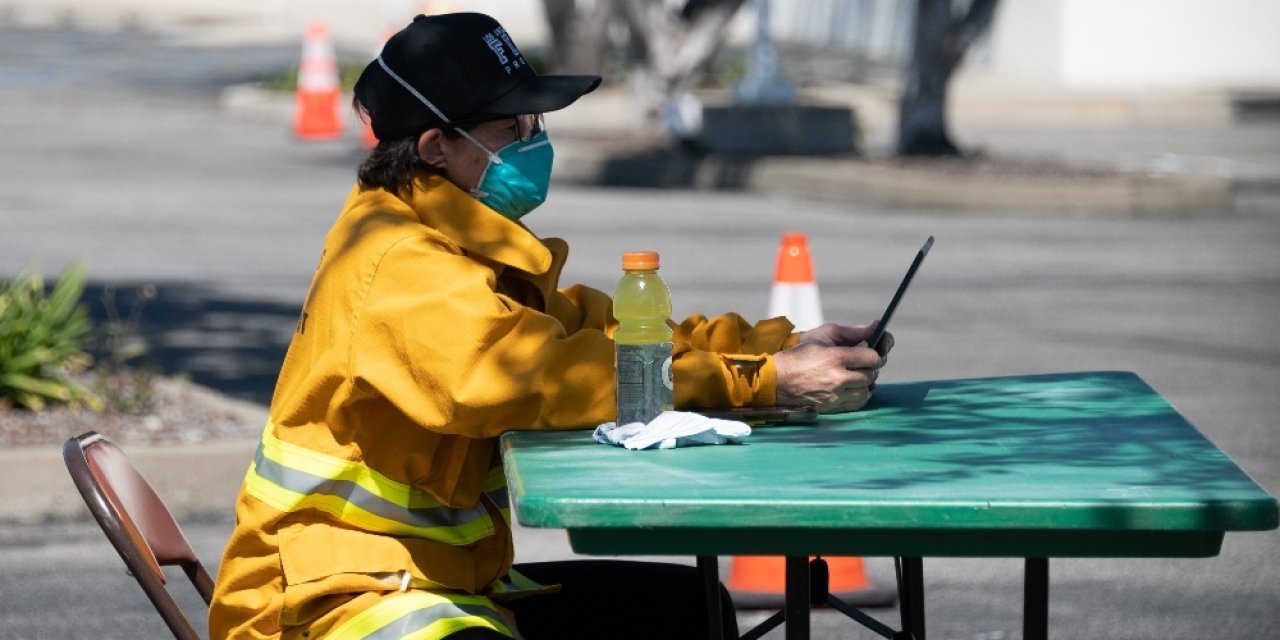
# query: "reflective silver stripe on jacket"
{"points": [[292, 478]]}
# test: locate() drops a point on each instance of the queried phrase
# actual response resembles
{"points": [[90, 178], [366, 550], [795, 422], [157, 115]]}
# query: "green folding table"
{"points": [[1091, 464]]}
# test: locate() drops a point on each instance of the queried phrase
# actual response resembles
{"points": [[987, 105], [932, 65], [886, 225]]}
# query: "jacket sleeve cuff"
{"points": [[717, 380]]}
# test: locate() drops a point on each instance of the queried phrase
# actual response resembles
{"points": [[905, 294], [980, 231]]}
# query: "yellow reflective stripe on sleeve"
{"points": [[290, 478], [421, 615]]}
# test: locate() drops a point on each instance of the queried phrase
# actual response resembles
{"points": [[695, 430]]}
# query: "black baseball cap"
{"points": [[467, 67]]}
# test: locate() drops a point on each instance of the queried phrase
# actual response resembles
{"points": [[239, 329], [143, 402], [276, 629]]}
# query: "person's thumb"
{"points": [[854, 334]]}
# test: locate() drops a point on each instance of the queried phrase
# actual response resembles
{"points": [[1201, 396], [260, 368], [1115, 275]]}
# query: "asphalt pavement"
{"points": [[115, 155]]}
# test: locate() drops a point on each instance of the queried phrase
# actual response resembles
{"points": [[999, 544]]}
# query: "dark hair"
{"points": [[393, 164]]}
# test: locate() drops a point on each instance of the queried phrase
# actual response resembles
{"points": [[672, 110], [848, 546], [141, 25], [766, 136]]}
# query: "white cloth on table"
{"points": [[672, 429]]}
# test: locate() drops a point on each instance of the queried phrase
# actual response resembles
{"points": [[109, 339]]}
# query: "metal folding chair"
{"points": [[137, 523]]}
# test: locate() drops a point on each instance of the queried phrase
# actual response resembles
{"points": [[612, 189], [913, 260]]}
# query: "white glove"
{"points": [[672, 429]]}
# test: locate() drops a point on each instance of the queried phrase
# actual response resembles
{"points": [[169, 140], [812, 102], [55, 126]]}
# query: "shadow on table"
{"points": [[1058, 428]]}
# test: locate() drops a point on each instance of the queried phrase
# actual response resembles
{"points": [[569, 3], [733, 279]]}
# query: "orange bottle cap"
{"points": [[640, 260]]}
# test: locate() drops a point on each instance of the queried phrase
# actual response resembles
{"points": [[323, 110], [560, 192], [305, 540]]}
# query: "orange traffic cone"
{"points": [[317, 116], [759, 582], [795, 291]]}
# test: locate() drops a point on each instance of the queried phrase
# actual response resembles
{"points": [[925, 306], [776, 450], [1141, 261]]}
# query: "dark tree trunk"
{"points": [[579, 35], [941, 39]]}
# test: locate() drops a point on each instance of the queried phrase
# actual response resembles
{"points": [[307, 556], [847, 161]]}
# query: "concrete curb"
{"points": [[191, 479], [1120, 194]]}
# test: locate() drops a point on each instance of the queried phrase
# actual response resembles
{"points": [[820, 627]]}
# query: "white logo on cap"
{"points": [[495, 40]]}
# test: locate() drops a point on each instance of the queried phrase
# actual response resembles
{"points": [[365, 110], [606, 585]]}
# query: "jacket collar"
{"points": [[475, 227]]}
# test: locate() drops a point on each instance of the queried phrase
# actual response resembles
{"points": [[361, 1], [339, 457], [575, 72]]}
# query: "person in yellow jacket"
{"points": [[375, 505]]}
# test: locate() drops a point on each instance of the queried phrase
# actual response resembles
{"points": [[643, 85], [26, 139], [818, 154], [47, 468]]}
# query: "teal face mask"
{"points": [[517, 177]]}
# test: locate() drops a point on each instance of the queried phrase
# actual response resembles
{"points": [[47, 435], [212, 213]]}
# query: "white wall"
{"points": [[1185, 43], [1024, 40], [1140, 44]]}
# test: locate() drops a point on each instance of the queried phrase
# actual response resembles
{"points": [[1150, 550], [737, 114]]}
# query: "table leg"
{"points": [[1035, 600], [911, 597], [709, 570], [796, 604]]}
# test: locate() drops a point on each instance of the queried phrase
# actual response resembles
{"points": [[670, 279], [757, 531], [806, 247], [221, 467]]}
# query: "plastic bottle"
{"points": [[642, 304]]}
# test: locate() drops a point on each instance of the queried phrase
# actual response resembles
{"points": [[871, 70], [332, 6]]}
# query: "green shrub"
{"points": [[42, 337]]}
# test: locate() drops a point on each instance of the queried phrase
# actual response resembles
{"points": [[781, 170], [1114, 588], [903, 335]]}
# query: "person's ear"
{"points": [[429, 149]]}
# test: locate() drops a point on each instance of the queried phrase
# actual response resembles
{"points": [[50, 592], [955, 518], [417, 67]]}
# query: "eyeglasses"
{"points": [[511, 129], [529, 125]]}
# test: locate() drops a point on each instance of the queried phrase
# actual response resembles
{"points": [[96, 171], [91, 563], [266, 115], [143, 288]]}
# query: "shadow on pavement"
{"points": [[230, 344]]}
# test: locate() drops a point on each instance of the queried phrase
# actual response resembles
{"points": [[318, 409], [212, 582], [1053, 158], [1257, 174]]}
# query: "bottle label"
{"points": [[645, 383]]}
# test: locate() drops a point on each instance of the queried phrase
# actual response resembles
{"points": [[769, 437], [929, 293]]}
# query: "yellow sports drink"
{"points": [[642, 304]]}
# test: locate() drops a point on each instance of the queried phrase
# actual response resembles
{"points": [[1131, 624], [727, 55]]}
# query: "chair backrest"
{"points": [[137, 523]]}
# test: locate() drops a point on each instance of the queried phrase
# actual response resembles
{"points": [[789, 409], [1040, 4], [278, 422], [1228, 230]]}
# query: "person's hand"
{"points": [[831, 378], [844, 335]]}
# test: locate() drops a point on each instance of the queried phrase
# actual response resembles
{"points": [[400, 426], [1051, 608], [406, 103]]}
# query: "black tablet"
{"points": [[897, 297]]}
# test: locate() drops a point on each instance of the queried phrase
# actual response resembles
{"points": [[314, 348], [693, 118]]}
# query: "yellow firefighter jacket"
{"points": [[432, 325]]}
